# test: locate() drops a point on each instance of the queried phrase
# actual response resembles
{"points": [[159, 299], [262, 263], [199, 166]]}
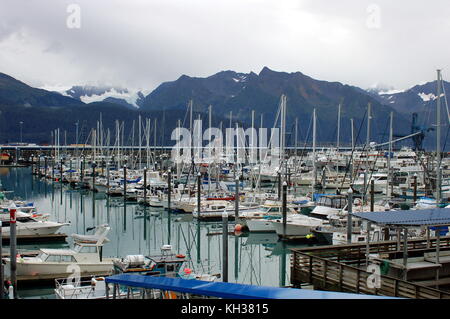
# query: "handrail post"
{"points": [[358, 274]]}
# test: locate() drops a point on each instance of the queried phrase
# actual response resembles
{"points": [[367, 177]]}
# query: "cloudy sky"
{"points": [[141, 43]]}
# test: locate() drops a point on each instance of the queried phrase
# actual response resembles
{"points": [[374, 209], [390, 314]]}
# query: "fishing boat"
{"points": [[211, 210], [167, 264], [258, 220]]}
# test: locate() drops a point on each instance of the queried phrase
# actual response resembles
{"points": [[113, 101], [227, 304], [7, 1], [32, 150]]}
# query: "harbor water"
{"points": [[253, 258]]}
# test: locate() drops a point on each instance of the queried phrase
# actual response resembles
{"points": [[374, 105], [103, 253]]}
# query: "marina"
{"points": [[266, 235], [76, 218], [211, 152]]}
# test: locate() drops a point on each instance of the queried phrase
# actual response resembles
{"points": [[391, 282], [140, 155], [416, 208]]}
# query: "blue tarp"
{"points": [[316, 196], [227, 290], [420, 217]]}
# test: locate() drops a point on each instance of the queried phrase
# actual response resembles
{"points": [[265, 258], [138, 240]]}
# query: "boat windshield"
{"points": [[43, 256], [85, 249], [338, 202]]}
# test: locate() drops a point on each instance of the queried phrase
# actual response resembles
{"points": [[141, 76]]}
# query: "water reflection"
{"points": [[255, 258]]}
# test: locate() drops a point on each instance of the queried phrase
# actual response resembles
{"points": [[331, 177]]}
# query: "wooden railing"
{"points": [[355, 252], [325, 273]]}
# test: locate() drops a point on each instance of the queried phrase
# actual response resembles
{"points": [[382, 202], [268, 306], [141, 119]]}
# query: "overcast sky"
{"points": [[141, 43]]}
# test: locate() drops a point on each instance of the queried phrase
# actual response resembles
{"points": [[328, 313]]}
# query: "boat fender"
{"points": [[180, 256]]}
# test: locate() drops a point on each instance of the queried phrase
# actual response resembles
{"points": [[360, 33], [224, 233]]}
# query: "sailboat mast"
{"points": [[353, 135], [369, 109], [438, 139], [389, 176], [210, 150], [314, 150], [338, 128], [139, 140]]}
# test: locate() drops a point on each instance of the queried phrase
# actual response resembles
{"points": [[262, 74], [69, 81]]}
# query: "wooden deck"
{"points": [[342, 268]]}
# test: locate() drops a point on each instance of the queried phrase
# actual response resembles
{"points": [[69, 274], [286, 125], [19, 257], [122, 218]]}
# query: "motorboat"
{"points": [[26, 225], [84, 259], [297, 225], [259, 220]]}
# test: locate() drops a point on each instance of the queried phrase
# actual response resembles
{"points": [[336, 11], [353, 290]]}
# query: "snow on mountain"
{"points": [[61, 89], [88, 94], [390, 92], [129, 97]]}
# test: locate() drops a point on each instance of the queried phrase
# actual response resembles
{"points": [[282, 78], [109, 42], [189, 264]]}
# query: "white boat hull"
{"points": [[58, 269], [260, 225], [291, 229], [33, 229]]}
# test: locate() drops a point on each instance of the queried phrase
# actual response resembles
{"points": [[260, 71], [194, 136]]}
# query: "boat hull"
{"points": [[58, 270]]}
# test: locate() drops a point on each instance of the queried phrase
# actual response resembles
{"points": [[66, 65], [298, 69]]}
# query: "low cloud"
{"points": [[139, 44]]}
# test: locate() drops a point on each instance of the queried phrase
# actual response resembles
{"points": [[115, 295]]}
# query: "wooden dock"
{"points": [[343, 268], [34, 238]]}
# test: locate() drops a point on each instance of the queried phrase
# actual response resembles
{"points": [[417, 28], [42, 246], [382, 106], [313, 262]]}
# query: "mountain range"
{"points": [[229, 93]]}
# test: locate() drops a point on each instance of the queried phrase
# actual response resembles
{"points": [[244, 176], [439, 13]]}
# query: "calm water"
{"points": [[258, 259]]}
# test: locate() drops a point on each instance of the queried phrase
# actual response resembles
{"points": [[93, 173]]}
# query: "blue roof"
{"points": [[420, 217], [227, 290]]}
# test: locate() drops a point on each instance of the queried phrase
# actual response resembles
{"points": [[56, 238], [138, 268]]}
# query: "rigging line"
{"points": [[375, 162], [272, 131], [353, 150], [445, 141], [188, 248], [308, 132], [445, 98], [195, 243]]}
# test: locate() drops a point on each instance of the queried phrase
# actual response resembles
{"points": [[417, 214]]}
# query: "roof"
{"points": [[58, 252], [420, 217], [227, 290]]}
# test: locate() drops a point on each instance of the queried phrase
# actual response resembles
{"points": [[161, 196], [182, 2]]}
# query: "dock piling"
{"points": [[13, 250], [2, 287], [372, 195], [284, 210], [236, 198], [225, 246], [349, 214]]}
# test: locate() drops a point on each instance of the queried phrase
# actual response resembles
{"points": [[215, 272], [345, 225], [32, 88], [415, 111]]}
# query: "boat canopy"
{"points": [[420, 217], [227, 290], [58, 252]]}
